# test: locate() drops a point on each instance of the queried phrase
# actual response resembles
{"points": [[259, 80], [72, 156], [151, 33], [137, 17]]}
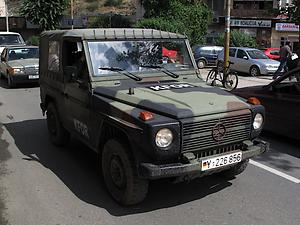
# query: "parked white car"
{"points": [[250, 60], [10, 39]]}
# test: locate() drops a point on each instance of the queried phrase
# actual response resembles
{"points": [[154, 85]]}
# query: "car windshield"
{"points": [[256, 54], [10, 39], [138, 56], [23, 53]]}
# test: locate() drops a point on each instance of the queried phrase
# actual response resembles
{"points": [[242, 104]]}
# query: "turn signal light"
{"points": [[253, 101], [145, 115]]}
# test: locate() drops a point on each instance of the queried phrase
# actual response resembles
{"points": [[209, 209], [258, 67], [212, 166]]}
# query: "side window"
{"points": [[53, 57], [73, 55], [232, 52], [240, 54], [274, 52]]}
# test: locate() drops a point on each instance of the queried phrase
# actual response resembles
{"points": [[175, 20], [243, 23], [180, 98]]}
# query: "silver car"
{"points": [[250, 60]]}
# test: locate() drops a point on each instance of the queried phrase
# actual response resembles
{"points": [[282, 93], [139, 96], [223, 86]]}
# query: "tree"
{"points": [[45, 13], [238, 39], [186, 17], [292, 11]]}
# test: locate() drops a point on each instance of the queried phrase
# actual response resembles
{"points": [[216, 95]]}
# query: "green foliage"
{"points": [[186, 17], [292, 11], [113, 20], [92, 6], [113, 3], [45, 13], [238, 39], [33, 40]]}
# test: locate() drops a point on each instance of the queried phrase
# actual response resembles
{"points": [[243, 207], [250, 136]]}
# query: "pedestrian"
{"points": [[285, 53]]}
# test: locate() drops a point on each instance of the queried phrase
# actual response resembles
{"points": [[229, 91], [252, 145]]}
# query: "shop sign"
{"points": [[286, 27], [250, 23]]}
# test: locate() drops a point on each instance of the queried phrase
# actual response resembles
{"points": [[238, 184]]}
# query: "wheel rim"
{"points": [[254, 72], [117, 173], [52, 123], [231, 82], [201, 64]]}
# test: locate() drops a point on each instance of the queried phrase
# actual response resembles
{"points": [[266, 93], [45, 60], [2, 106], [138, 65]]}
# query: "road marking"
{"points": [[276, 172]]}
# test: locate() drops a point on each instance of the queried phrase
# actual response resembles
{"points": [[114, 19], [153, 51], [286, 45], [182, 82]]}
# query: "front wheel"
{"points": [[254, 71], [231, 81], [58, 134], [120, 174], [211, 77]]}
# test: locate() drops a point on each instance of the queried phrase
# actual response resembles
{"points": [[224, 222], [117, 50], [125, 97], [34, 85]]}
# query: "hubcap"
{"points": [[117, 172]]}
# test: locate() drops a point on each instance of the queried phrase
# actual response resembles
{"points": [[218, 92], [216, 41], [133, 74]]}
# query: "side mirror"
{"points": [[71, 73], [245, 57]]}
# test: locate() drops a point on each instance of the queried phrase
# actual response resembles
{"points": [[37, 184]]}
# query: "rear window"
{"points": [[274, 52], [10, 39]]}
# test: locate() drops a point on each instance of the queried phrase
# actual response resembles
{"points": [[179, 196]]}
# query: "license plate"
{"points": [[33, 76], [220, 161]]}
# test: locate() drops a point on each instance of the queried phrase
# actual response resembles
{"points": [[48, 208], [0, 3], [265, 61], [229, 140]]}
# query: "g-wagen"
{"points": [[144, 110]]}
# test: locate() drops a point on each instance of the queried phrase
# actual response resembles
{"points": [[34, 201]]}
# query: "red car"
{"points": [[272, 53]]}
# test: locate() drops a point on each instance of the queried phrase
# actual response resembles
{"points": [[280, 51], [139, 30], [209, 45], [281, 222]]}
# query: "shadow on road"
{"points": [[280, 145], [76, 166], [3, 84]]}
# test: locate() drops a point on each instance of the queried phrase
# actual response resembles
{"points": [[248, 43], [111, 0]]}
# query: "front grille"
{"points": [[197, 135], [31, 70]]}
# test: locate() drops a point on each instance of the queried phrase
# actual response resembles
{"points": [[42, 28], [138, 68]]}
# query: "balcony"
{"points": [[255, 13]]}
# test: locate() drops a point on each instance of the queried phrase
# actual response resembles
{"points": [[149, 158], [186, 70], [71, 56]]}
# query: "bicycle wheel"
{"points": [[231, 81], [211, 77]]}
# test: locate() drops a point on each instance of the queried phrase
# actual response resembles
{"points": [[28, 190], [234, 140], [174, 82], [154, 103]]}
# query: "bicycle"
{"points": [[227, 77]]}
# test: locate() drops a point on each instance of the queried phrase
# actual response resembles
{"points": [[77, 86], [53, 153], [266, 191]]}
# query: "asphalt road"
{"points": [[44, 185]]}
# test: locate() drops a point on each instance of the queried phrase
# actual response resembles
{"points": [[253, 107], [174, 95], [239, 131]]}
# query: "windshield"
{"points": [[256, 54], [135, 56], [23, 53], [10, 39]]}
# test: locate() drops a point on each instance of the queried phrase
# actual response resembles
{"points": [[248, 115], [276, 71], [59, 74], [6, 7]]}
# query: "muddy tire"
{"points": [[120, 175], [58, 134], [235, 170]]}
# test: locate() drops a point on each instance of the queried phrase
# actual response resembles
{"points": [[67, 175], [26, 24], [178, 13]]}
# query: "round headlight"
{"points": [[258, 121], [163, 138]]}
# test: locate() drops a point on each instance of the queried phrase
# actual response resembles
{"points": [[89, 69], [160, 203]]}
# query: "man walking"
{"points": [[285, 52]]}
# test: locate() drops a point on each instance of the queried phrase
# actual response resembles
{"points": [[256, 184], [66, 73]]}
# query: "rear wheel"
{"points": [[231, 81], [58, 134], [254, 71], [201, 64], [120, 174], [211, 77]]}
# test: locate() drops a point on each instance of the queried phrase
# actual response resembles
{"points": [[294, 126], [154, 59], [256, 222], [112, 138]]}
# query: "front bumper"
{"points": [[152, 171], [25, 79]]}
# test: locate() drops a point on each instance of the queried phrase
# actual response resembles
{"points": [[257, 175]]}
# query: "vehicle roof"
{"points": [[210, 47], [245, 48], [2, 32], [21, 46], [111, 34]]}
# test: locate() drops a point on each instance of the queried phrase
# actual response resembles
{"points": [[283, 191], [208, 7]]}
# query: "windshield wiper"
{"points": [[163, 69], [123, 72]]}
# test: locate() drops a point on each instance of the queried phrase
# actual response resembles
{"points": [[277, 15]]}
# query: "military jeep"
{"points": [[136, 98]]}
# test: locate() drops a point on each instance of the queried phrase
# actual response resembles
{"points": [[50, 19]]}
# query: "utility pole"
{"points": [[72, 14], [227, 33], [6, 15]]}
